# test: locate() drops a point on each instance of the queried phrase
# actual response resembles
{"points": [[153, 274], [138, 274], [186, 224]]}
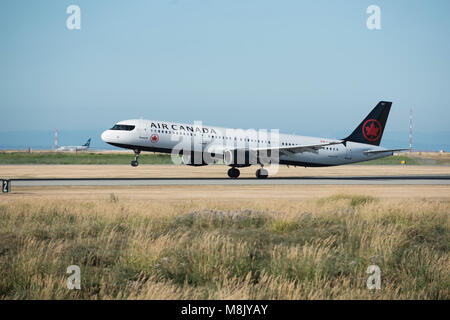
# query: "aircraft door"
{"points": [[143, 132]]}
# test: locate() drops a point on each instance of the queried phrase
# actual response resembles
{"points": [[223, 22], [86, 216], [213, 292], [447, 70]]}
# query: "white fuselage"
{"points": [[72, 148], [161, 136]]}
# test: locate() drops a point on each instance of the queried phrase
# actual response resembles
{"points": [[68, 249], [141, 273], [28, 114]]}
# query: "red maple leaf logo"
{"points": [[371, 130], [154, 138]]}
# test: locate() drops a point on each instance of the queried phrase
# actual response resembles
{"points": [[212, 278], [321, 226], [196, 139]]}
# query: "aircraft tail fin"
{"points": [[371, 129], [87, 144]]}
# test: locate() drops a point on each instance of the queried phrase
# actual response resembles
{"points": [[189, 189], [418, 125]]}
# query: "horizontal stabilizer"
{"points": [[382, 151]]}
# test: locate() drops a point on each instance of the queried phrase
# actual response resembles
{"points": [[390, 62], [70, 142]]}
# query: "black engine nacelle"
{"points": [[193, 159], [240, 158], [245, 158]]}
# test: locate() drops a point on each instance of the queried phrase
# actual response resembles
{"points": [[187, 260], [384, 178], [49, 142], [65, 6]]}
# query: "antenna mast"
{"points": [[55, 146], [410, 130]]}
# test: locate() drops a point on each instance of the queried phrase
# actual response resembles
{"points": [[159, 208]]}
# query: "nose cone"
{"points": [[106, 136]]}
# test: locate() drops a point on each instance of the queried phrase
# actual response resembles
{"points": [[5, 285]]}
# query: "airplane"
{"points": [[203, 145], [84, 147]]}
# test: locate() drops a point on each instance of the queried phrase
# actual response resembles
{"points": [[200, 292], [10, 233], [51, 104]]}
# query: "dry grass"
{"points": [[316, 247]]}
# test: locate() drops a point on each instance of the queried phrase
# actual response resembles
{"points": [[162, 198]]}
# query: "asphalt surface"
{"points": [[322, 180]]}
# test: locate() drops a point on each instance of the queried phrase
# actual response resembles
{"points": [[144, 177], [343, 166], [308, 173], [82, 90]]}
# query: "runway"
{"points": [[310, 180]]}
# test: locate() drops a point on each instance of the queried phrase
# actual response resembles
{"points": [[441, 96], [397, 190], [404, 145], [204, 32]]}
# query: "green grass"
{"points": [[415, 159], [392, 160], [151, 158], [81, 158]]}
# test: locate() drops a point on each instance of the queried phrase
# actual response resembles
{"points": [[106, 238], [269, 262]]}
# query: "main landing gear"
{"points": [[262, 173], [135, 162], [233, 173]]}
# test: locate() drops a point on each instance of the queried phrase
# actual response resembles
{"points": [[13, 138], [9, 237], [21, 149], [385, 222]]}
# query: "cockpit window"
{"points": [[124, 127]]}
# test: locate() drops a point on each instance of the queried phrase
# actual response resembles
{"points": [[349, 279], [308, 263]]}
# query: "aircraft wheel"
{"points": [[135, 162], [262, 173], [233, 173]]}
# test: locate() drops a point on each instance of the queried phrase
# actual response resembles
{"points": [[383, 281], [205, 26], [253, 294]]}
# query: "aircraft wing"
{"points": [[381, 151], [300, 148]]}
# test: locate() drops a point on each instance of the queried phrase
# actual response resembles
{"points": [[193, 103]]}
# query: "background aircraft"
{"points": [[84, 147]]}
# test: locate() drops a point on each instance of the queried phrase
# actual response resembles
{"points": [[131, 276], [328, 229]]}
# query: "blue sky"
{"points": [[309, 67]]}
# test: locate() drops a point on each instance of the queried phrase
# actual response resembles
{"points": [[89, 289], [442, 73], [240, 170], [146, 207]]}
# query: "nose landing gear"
{"points": [[135, 162]]}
